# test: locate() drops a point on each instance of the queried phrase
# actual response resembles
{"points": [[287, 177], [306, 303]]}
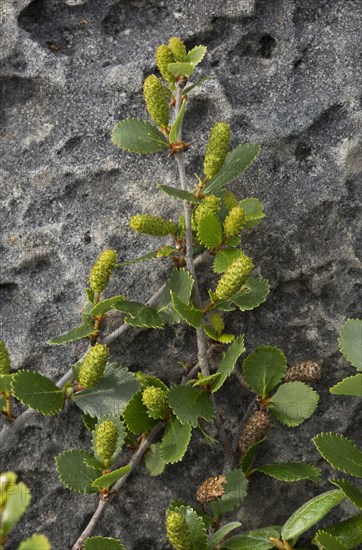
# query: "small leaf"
{"points": [[195, 526], [223, 338], [228, 362], [310, 513], [290, 471], [74, 473], [348, 386], [236, 162], [350, 342], [329, 542], [102, 543], [141, 315], [347, 532], [180, 282], [148, 380], [138, 136], [234, 494], [204, 380], [136, 417], [220, 534], [89, 422], [340, 453], [179, 194], [189, 403], [181, 69], [196, 55], [224, 258], [190, 314], [248, 457], [293, 403], [253, 294], [37, 392], [176, 126], [35, 542], [17, 501], [353, 493], [209, 231], [5, 382], [153, 460], [192, 86], [264, 369], [175, 441], [105, 481], [253, 211], [74, 334], [253, 540], [105, 305], [145, 258]]}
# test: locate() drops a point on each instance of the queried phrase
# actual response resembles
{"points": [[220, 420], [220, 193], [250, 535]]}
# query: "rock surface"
{"points": [[287, 75]]}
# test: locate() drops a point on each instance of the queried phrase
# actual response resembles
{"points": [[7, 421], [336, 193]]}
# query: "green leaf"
{"points": [[105, 305], [253, 293], [228, 362], [257, 539], [179, 194], [181, 69], [74, 334], [340, 453], [102, 543], [2, 403], [136, 417], [148, 380], [234, 493], [353, 493], [329, 542], [310, 513], [17, 501], [224, 258], [290, 471], [248, 457], [195, 526], [74, 473], [105, 481], [196, 55], [175, 441], [347, 532], [37, 392], [176, 126], [192, 86], [204, 380], [138, 136], [190, 314], [189, 403], [350, 342], [89, 422], [220, 534], [253, 210], [5, 382], [121, 437], [209, 231], [236, 162], [223, 338], [145, 258], [264, 369], [180, 283], [35, 542], [141, 315], [153, 460], [110, 396], [293, 403], [348, 386]]}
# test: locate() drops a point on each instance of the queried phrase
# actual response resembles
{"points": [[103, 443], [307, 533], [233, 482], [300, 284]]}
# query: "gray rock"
{"points": [[287, 75]]}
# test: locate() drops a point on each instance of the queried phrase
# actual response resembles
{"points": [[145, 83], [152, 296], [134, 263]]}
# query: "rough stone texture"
{"points": [[286, 75]]}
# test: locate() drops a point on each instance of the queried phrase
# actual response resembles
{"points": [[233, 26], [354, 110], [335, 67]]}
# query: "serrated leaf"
{"points": [[17, 501], [248, 457], [195, 526], [105, 481], [204, 380], [102, 543], [353, 493], [144, 258], [74, 473], [192, 315], [209, 231], [180, 282], [153, 460], [220, 534], [35, 542], [293, 403], [236, 162], [347, 532], [224, 258], [181, 69], [121, 437], [141, 315], [106, 305], [310, 513], [196, 55], [138, 136], [257, 539], [5, 382], [327, 541], [2, 403], [223, 338], [253, 210], [110, 396], [89, 422], [136, 417], [74, 334], [264, 369], [253, 294], [228, 362], [179, 193], [340, 453], [350, 342], [37, 392], [176, 126], [175, 440], [290, 471], [192, 86], [234, 493], [348, 386], [190, 403]]}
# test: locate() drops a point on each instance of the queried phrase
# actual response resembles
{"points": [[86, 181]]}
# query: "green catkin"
{"points": [[156, 100], [4, 359], [234, 277], [234, 222], [164, 57], [152, 225], [155, 400], [106, 440], [217, 323], [177, 532], [102, 270], [92, 368], [209, 205], [229, 200], [178, 48], [217, 148]]}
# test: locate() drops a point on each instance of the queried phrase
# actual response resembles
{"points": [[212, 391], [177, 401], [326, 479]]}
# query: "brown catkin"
{"points": [[211, 489], [254, 430], [305, 371]]}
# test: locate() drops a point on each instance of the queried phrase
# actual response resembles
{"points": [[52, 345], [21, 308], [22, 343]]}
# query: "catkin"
{"points": [[234, 277], [102, 270], [152, 225], [156, 100], [217, 148]]}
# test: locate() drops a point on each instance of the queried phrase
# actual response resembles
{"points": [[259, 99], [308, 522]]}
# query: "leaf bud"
{"points": [[152, 225], [4, 359], [102, 270], [229, 200], [155, 400], [217, 323], [164, 57], [217, 148], [254, 430], [106, 440], [234, 222], [156, 100], [209, 205], [305, 371], [234, 277], [178, 48], [211, 489], [177, 531], [92, 368]]}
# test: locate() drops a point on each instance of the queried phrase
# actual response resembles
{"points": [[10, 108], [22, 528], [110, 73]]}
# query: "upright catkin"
{"points": [[217, 148]]}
